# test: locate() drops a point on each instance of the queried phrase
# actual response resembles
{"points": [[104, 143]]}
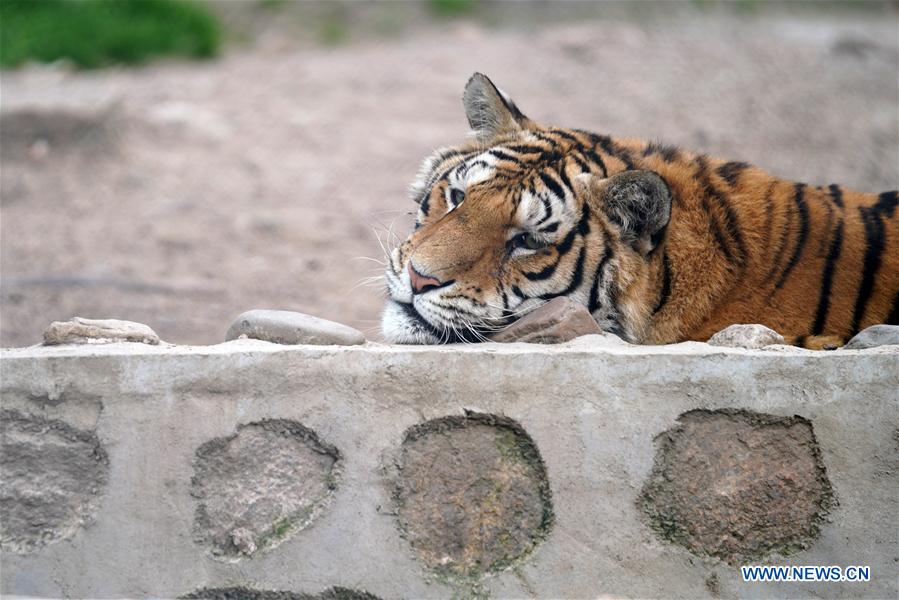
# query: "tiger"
{"points": [[660, 244]]}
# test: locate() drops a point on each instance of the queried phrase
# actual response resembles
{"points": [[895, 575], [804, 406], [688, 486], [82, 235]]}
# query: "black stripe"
{"points": [[592, 155], [443, 156], [550, 228], [613, 149], [666, 284], [563, 248], [593, 303], [517, 291], [730, 171], [525, 149], [836, 194], [581, 164], [836, 246], [893, 317], [781, 245], [803, 234], [886, 203], [516, 201], [564, 177], [450, 336], [553, 185], [566, 244], [425, 204], [583, 227], [716, 231], [576, 279], [874, 250], [544, 273], [827, 226], [667, 152], [731, 224], [769, 213], [568, 136], [547, 210], [498, 153]]}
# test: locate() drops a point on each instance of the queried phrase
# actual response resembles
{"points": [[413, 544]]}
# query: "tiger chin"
{"points": [[661, 245]]}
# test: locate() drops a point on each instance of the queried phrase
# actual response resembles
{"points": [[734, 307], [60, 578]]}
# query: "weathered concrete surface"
{"points": [[592, 409]]}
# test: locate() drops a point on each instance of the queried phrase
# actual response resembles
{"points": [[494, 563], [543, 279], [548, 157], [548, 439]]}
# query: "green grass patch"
{"points": [[451, 8], [96, 33]]}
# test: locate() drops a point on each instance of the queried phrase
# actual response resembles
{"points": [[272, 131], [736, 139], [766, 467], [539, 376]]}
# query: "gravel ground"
{"points": [[181, 194]]}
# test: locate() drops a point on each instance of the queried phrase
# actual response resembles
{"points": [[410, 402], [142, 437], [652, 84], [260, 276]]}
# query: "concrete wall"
{"points": [[586, 469]]}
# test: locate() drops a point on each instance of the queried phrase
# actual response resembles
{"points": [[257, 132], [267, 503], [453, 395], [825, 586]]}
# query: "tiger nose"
{"points": [[421, 283]]}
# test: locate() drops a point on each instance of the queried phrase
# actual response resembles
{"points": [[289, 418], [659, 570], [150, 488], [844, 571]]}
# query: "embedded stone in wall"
{"points": [[245, 593], [471, 493], [258, 487], [51, 479], [738, 485]]}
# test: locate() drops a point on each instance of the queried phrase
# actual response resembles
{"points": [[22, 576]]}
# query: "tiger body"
{"points": [[817, 264], [660, 244]]}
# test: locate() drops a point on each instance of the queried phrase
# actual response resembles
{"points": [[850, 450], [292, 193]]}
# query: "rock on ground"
{"points": [[559, 320], [286, 327], [876, 335], [746, 336], [98, 331]]}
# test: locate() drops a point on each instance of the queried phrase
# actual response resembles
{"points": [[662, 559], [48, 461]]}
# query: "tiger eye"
{"points": [[529, 241], [456, 197]]}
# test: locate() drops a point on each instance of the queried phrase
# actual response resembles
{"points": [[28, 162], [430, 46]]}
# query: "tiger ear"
{"points": [[637, 202], [490, 111]]}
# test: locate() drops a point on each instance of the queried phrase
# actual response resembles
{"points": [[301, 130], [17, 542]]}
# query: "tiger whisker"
{"points": [[374, 260]]}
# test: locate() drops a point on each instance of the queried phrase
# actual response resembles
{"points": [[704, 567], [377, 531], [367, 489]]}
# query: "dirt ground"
{"points": [[182, 194]]}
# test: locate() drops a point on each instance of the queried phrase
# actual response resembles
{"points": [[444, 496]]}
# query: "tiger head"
{"points": [[519, 215]]}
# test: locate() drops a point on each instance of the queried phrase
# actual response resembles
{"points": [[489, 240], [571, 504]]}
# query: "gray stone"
{"points": [[472, 494], [738, 485], [287, 327], [876, 335], [746, 336], [36, 130], [51, 480], [559, 320], [259, 486], [98, 331]]}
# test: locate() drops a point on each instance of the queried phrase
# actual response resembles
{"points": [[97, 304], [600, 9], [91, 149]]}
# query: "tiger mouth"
{"points": [[449, 335]]}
